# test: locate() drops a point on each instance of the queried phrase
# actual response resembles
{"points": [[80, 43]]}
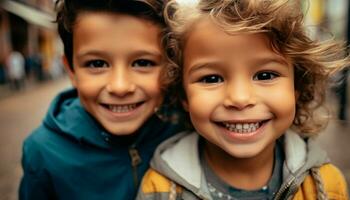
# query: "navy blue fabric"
{"points": [[70, 156]]}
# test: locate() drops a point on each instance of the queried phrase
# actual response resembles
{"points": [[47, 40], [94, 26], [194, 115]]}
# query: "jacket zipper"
{"points": [[135, 161], [285, 189]]}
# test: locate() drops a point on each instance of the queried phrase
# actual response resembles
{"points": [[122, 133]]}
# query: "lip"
{"points": [[122, 116], [243, 137], [244, 120]]}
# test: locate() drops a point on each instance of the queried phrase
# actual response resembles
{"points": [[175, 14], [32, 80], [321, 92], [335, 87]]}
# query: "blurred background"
{"points": [[31, 73]]}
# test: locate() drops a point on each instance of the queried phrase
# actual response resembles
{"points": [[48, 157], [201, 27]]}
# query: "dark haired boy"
{"points": [[97, 139]]}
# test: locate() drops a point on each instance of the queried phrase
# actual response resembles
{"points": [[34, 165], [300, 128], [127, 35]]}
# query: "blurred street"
{"points": [[22, 112], [27, 34]]}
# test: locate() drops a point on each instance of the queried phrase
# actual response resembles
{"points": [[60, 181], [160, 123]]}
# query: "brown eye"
{"points": [[263, 76], [143, 63], [96, 64], [211, 79]]}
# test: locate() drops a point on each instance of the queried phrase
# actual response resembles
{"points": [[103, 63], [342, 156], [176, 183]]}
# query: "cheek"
{"points": [[283, 103], [89, 88], [152, 87], [201, 103], [287, 109]]}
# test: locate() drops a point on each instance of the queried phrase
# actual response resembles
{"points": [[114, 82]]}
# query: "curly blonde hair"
{"points": [[282, 20]]}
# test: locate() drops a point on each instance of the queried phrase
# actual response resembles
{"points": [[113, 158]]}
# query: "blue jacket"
{"points": [[70, 156]]}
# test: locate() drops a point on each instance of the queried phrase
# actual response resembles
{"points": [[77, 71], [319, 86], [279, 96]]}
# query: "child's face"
{"points": [[117, 62], [240, 93]]}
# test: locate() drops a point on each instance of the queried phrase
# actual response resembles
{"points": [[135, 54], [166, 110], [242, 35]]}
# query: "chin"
{"points": [[122, 132], [244, 153]]}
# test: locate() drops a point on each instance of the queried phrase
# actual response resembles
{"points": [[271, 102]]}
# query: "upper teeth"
{"points": [[120, 109], [242, 127]]}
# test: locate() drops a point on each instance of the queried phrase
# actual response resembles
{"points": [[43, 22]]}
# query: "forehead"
{"points": [[116, 18], [208, 41], [113, 31], [205, 34]]}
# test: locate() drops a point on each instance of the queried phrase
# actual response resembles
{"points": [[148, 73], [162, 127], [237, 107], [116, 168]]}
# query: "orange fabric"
{"points": [[333, 181], [153, 182]]}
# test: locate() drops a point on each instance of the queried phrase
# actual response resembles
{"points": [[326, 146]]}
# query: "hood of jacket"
{"points": [[67, 108], [71, 156], [301, 155]]}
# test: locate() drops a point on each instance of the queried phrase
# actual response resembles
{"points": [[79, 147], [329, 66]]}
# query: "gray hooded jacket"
{"points": [[178, 160]]}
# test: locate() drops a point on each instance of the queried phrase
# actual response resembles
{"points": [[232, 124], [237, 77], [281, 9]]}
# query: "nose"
{"points": [[120, 82], [240, 94]]}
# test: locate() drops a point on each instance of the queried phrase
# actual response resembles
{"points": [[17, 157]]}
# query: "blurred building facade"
{"points": [[326, 18], [27, 26], [329, 19]]}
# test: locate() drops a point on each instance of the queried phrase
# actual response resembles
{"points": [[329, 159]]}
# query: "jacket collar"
{"points": [[300, 155]]}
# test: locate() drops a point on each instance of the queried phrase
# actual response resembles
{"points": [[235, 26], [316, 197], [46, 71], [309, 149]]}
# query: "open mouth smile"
{"points": [[242, 127], [122, 108]]}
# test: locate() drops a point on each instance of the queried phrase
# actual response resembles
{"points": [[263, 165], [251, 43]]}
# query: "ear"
{"points": [[69, 70], [185, 104], [296, 95]]}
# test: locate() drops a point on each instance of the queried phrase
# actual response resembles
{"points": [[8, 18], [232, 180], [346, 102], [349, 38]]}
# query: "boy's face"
{"points": [[240, 93], [117, 62]]}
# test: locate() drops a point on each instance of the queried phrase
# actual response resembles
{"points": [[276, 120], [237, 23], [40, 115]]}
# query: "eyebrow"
{"points": [[257, 62], [201, 65], [87, 53], [275, 59], [148, 52], [136, 53]]}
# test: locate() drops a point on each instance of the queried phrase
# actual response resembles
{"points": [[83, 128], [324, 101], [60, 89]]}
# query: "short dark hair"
{"points": [[68, 10]]}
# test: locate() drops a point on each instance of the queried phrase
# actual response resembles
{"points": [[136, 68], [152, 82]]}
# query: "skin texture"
{"points": [[117, 62], [237, 79]]}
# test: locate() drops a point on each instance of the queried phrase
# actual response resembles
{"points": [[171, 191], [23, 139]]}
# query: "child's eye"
{"points": [[211, 79], [143, 63], [263, 76], [96, 64]]}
